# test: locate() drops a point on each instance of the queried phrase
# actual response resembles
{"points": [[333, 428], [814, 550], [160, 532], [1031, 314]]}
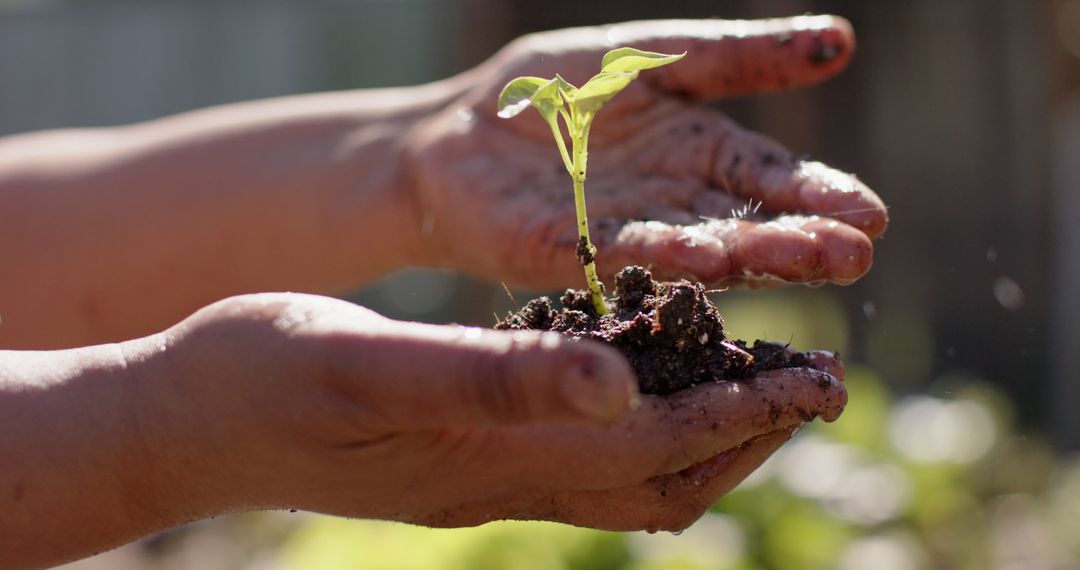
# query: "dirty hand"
{"points": [[665, 173], [313, 403]]}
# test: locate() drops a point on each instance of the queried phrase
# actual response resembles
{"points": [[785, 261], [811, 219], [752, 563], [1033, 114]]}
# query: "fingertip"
{"points": [[673, 252], [825, 191], [846, 253], [821, 395], [832, 43], [597, 383], [777, 250]]}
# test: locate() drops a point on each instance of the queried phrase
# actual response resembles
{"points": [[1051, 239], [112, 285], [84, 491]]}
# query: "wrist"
{"points": [[170, 441], [94, 449], [380, 220]]}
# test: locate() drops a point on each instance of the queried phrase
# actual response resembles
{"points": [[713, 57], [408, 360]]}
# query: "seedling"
{"points": [[555, 98]]}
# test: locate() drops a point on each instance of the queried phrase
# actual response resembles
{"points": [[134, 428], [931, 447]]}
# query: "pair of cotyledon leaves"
{"points": [[618, 68]]}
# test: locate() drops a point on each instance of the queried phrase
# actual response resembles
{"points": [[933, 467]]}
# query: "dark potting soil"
{"points": [[671, 333]]}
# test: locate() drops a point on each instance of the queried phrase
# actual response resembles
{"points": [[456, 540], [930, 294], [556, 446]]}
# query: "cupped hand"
{"points": [[313, 403], [673, 185]]}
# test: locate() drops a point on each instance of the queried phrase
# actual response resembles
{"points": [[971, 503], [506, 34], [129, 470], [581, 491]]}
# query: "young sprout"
{"points": [[577, 106]]}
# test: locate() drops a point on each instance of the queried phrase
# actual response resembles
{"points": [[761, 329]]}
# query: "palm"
{"points": [[665, 175]]}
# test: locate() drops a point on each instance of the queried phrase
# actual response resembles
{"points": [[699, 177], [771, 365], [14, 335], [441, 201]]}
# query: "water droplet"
{"points": [[1008, 293], [467, 115], [869, 310], [676, 532], [991, 255]]}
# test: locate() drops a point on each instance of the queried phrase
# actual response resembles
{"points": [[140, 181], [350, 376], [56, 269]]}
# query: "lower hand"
{"points": [[296, 401]]}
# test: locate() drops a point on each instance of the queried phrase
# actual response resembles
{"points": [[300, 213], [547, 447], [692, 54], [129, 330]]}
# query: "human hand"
{"points": [[666, 173], [307, 402]]}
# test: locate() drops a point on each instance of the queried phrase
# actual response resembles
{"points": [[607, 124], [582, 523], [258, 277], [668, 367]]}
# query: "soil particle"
{"points": [[632, 285], [774, 413], [671, 334], [537, 314], [823, 53], [578, 300], [585, 254], [573, 323]]}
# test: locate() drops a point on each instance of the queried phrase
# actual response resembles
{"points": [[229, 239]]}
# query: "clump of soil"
{"points": [[671, 333]]}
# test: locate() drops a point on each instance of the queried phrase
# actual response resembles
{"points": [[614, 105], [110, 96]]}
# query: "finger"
{"points": [[758, 168], [796, 248], [789, 249], [823, 360], [827, 362], [667, 502], [550, 233], [754, 168], [665, 435], [734, 58], [418, 377]]}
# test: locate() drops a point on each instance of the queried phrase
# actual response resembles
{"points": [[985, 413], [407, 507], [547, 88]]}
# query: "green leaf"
{"points": [[523, 92], [600, 89], [566, 88], [630, 59]]}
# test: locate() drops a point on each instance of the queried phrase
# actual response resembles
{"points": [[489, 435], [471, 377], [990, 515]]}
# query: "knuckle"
{"points": [[492, 387], [463, 448]]}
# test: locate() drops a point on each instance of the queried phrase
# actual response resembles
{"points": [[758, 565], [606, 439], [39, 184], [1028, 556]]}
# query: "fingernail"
{"points": [[596, 393]]}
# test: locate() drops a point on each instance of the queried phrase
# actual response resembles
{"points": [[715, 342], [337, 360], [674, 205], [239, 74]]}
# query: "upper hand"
{"points": [[313, 403], [666, 173]]}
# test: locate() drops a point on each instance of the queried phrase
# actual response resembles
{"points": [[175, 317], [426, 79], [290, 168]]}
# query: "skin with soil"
{"points": [[671, 333]]}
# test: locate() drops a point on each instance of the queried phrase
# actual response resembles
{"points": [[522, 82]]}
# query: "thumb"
{"points": [[432, 377], [725, 58], [734, 58]]}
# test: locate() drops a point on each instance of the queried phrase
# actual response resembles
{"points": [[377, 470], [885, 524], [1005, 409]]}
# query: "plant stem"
{"points": [[580, 159], [562, 146]]}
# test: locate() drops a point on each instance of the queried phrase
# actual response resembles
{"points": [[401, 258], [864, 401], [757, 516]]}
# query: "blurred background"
{"points": [[958, 449]]}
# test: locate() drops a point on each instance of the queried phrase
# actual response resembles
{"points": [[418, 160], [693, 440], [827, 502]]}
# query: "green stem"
{"points": [[578, 173], [554, 123]]}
